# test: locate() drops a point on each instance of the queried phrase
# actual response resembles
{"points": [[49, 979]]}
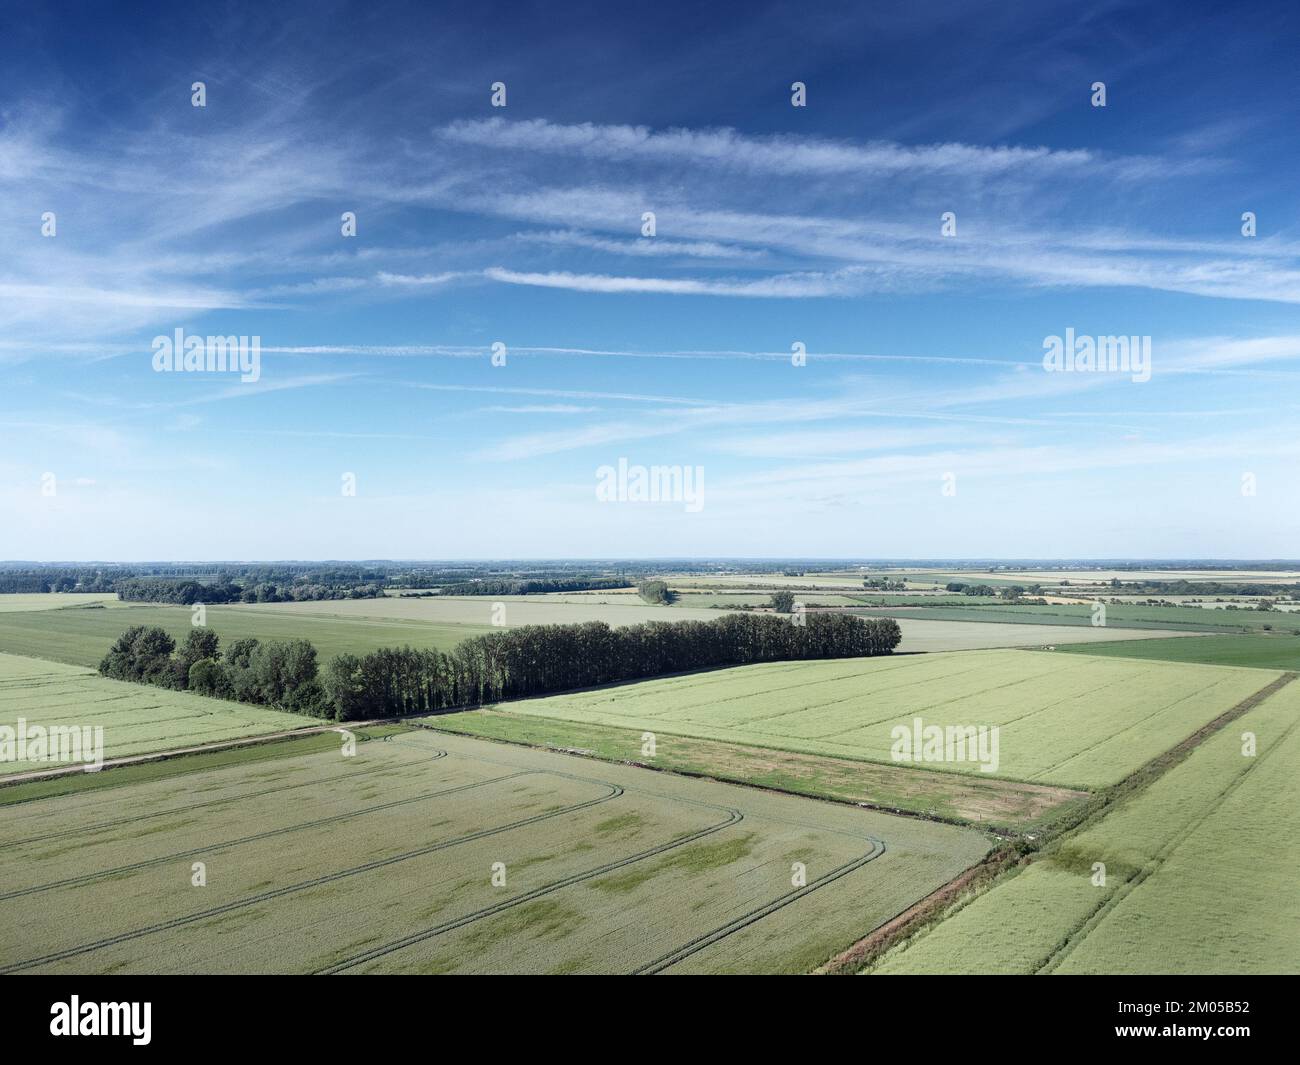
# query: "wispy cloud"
{"points": [[784, 286], [773, 154]]}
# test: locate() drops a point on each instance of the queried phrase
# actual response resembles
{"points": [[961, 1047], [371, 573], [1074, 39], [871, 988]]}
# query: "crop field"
{"points": [[846, 582], [136, 719], [54, 600], [921, 635], [1077, 720], [1199, 875], [1263, 652], [477, 610], [82, 636], [1118, 616], [1052, 578], [987, 801], [386, 862]]}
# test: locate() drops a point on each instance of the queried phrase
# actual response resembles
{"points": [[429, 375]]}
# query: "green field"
{"points": [[921, 636], [83, 636], [1262, 652], [135, 718], [1118, 616], [1200, 876], [985, 800], [1073, 720], [383, 862], [54, 600], [478, 610]]}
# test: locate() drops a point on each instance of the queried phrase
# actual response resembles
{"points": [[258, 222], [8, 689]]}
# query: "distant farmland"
{"points": [[81, 636], [1263, 652], [52, 600], [384, 863], [82, 632], [135, 718], [1077, 721], [1118, 616], [1200, 876]]}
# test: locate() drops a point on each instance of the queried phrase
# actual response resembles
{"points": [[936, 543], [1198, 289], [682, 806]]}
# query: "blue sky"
{"points": [[774, 225]]}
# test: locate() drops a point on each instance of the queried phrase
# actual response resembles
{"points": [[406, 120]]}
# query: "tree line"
{"points": [[57, 579], [188, 592], [529, 660], [527, 586], [280, 673]]}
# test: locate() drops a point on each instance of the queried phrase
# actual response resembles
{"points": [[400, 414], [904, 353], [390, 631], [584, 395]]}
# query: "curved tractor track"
{"points": [[731, 817]]}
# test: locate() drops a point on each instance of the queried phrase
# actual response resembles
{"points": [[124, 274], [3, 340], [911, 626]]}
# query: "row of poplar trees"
{"points": [[535, 659]]}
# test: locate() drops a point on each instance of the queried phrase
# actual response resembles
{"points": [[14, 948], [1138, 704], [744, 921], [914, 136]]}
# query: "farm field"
{"points": [[383, 863], [1074, 720], [477, 610], [136, 718], [847, 582], [53, 600], [1118, 616], [1200, 876], [540, 610], [1263, 652], [1099, 576], [919, 635], [82, 636], [951, 796]]}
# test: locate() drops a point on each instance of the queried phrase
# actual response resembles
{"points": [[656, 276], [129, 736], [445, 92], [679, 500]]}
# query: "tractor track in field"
{"points": [[1152, 865], [744, 920], [986, 874], [1129, 728], [238, 904], [271, 833], [117, 822], [878, 847], [734, 818]]}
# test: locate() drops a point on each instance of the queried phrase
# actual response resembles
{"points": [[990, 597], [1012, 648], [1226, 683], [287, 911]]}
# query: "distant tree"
{"points": [[783, 602], [655, 592]]}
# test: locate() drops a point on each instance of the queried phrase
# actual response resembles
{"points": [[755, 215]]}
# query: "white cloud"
{"points": [[773, 154]]}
